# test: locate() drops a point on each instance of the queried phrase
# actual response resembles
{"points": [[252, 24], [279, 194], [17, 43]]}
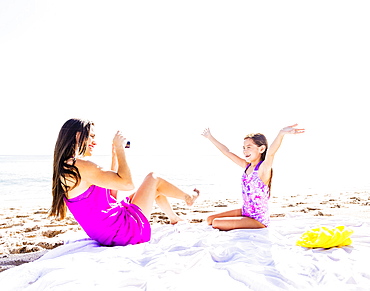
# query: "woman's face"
{"points": [[90, 143]]}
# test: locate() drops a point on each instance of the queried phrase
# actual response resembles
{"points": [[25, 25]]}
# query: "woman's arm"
{"points": [[236, 159], [118, 180], [114, 168]]}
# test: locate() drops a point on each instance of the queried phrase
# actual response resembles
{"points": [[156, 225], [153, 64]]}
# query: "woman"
{"points": [[90, 192]]}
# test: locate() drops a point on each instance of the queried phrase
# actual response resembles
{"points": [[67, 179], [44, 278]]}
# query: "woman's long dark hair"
{"points": [[72, 137], [259, 139]]}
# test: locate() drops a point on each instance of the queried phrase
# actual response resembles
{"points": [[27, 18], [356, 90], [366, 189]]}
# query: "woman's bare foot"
{"points": [[190, 199], [175, 219]]}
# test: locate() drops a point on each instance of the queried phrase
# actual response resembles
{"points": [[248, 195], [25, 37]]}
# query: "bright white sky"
{"points": [[162, 71]]}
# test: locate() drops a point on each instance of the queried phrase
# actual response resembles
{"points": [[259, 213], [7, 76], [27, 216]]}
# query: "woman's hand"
{"points": [[207, 133], [119, 141], [292, 130]]}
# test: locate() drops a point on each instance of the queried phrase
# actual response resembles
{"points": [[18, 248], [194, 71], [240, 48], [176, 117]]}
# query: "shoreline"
{"points": [[27, 233]]}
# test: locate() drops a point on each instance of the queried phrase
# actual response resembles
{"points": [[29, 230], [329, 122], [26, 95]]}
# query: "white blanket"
{"points": [[197, 257]]}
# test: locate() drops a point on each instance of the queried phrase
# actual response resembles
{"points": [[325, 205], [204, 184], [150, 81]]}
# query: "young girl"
{"points": [[256, 180], [84, 188]]}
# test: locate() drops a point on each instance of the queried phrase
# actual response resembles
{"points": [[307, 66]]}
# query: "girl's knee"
{"points": [[215, 223], [210, 219]]}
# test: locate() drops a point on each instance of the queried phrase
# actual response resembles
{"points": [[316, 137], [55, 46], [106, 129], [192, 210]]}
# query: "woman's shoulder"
{"points": [[79, 162], [84, 163], [89, 170]]}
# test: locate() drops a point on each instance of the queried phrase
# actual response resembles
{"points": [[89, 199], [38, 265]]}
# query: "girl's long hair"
{"points": [[259, 139], [72, 141]]}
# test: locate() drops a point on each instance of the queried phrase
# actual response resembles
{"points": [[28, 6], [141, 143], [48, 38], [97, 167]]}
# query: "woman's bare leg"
{"points": [[149, 189], [233, 219], [165, 206]]}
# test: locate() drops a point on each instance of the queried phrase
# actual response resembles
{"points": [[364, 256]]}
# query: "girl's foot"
{"points": [[190, 199]]}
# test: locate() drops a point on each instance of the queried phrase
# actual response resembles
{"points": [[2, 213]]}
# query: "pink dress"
{"points": [[107, 221], [255, 196]]}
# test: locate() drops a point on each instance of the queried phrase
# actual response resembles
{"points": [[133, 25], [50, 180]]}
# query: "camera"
{"points": [[128, 144]]}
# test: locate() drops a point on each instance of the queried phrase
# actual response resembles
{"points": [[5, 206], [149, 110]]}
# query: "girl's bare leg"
{"points": [[149, 189], [165, 206], [230, 213], [233, 219]]}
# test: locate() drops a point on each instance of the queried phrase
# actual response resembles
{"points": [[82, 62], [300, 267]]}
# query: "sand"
{"points": [[27, 233]]}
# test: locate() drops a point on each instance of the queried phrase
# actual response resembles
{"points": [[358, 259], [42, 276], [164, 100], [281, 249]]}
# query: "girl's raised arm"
{"points": [[270, 155], [236, 159]]}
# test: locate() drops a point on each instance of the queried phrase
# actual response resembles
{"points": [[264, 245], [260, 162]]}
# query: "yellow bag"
{"points": [[323, 237]]}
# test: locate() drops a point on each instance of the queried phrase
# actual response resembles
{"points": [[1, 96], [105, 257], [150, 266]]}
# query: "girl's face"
{"points": [[90, 142], [251, 151]]}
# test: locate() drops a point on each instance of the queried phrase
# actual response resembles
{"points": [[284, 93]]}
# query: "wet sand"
{"points": [[27, 233]]}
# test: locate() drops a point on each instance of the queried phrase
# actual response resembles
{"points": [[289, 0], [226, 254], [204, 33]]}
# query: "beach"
{"points": [[26, 233]]}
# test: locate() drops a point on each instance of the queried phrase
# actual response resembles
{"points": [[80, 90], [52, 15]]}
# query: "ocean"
{"points": [[26, 180]]}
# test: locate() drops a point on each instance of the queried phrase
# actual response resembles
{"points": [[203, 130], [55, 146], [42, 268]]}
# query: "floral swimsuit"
{"points": [[255, 196]]}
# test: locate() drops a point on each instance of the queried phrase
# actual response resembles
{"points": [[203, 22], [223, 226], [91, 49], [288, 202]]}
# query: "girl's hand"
{"points": [[292, 130], [207, 133]]}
